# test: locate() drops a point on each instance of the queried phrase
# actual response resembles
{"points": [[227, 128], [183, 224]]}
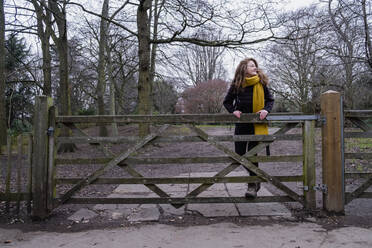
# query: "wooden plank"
{"points": [[181, 119], [179, 200], [309, 179], [235, 165], [176, 139], [19, 165], [285, 128], [51, 190], [150, 186], [358, 134], [365, 195], [8, 172], [130, 170], [205, 186], [360, 123], [181, 160], [358, 113], [78, 131], [246, 163], [355, 175], [40, 158], [332, 162], [14, 197], [358, 155], [121, 157], [357, 192], [179, 180]]}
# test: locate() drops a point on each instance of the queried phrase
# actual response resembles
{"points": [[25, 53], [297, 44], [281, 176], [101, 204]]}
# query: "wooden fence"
{"points": [[17, 172], [44, 162], [46, 142], [358, 118]]}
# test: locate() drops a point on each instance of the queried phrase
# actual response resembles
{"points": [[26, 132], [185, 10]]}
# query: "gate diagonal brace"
{"points": [[115, 161], [356, 193], [233, 166], [249, 165]]}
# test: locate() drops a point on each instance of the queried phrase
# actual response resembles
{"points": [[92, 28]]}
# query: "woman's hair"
{"points": [[241, 70]]}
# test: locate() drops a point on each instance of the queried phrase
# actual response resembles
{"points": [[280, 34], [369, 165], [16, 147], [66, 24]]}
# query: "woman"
{"points": [[248, 93]]}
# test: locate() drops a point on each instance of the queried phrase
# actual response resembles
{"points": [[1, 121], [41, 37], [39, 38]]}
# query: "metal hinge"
{"points": [[50, 131], [319, 187]]}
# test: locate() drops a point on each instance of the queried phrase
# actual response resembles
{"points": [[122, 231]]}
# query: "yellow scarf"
{"points": [[258, 102]]}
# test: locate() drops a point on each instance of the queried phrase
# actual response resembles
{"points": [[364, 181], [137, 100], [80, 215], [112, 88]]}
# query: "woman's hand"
{"points": [[263, 113], [237, 113]]}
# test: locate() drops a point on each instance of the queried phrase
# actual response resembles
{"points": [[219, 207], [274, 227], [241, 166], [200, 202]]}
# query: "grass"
{"points": [[363, 145]]}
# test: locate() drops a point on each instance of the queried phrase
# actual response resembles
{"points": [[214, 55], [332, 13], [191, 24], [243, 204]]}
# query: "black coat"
{"points": [[242, 100]]}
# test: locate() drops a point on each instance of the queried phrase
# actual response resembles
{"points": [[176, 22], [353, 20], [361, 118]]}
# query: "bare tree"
{"points": [[44, 30], [293, 63], [205, 97], [368, 43], [3, 127], [195, 64], [345, 47], [101, 84]]}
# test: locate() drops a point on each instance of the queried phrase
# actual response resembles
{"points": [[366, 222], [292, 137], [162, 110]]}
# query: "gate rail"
{"points": [[331, 120], [358, 118], [125, 161]]}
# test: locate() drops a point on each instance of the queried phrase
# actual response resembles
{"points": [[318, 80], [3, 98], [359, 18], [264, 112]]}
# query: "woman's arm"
{"points": [[228, 102], [269, 100]]}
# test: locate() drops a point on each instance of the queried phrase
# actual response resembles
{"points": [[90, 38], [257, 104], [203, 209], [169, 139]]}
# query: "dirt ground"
{"points": [[58, 221]]}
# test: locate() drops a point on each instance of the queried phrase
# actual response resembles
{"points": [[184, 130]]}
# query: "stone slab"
{"points": [[150, 212], [144, 213], [83, 214]]}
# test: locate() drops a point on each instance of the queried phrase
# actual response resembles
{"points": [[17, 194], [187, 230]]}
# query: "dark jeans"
{"points": [[241, 146]]}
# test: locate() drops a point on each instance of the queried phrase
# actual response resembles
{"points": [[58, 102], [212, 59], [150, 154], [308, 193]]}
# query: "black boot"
{"points": [[258, 186], [251, 190]]}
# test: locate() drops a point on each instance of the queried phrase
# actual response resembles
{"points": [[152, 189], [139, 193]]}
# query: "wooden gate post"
{"points": [[332, 159], [40, 158], [309, 179]]}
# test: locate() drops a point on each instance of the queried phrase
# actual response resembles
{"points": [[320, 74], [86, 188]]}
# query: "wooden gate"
{"points": [[359, 139], [333, 152], [126, 161]]}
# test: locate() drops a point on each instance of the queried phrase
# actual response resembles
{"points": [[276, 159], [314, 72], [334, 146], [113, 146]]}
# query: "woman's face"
{"points": [[251, 69]]}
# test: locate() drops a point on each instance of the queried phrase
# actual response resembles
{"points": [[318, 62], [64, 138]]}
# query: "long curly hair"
{"points": [[240, 74]]}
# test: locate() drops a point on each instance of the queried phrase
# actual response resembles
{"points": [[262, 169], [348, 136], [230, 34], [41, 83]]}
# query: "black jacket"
{"points": [[242, 100]]}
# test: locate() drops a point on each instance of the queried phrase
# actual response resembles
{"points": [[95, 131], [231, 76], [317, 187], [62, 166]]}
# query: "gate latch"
{"points": [[321, 187], [50, 131], [321, 120]]}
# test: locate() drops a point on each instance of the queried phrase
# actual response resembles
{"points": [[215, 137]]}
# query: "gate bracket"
{"points": [[321, 120], [50, 131], [321, 187]]}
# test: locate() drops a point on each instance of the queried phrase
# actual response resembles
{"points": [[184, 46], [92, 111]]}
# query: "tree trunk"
{"points": [[62, 48], [368, 42], [65, 92], [144, 87], [101, 84], [3, 127], [114, 126], [44, 36]]}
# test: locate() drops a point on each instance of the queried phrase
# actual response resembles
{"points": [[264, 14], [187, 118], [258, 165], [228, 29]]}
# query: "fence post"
{"points": [[309, 179], [332, 164], [40, 158], [51, 157]]}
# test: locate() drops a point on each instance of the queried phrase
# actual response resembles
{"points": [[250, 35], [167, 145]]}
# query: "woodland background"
{"points": [[176, 56]]}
